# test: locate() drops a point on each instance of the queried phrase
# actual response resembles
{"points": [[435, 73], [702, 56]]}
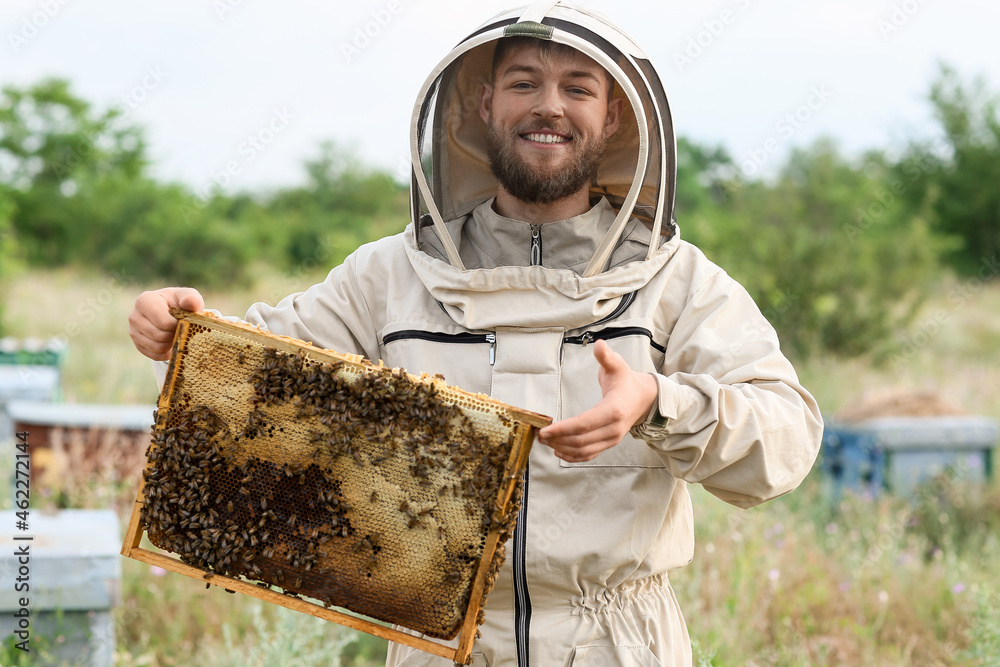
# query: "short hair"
{"points": [[546, 48]]}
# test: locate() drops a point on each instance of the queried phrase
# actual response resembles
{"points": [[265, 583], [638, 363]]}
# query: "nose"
{"points": [[548, 103]]}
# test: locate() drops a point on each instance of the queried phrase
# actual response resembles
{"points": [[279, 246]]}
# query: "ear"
{"points": [[486, 102], [614, 117]]}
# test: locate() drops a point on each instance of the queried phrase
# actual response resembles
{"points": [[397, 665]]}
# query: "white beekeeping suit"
{"points": [[503, 307]]}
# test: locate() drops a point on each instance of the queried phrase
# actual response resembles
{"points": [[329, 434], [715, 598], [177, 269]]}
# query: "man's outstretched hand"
{"points": [[150, 324], [628, 396]]}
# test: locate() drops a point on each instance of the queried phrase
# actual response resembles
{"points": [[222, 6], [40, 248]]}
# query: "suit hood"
{"points": [[450, 169]]}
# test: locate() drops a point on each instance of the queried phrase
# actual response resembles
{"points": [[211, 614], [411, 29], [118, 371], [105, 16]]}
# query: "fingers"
{"points": [[600, 416], [611, 362], [189, 299], [583, 437], [627, 397], [152, 327]]}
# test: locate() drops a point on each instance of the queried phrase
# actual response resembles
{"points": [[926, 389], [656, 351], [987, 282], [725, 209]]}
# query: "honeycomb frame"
{"points": [[284, 471]]}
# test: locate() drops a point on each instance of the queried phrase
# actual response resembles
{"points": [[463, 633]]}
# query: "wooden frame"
{"points": [[516, 462]]}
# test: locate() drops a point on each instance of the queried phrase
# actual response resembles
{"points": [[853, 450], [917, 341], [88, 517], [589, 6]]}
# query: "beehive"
{"points": [[311, 473]]}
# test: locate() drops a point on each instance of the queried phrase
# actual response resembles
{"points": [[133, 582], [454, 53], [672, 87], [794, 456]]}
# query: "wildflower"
{"points": [[157, 571], [958, 588], [883, 597], [774, 574]]}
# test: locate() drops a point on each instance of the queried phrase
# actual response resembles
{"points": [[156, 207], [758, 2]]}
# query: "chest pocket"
{"points": [[582, 391]]}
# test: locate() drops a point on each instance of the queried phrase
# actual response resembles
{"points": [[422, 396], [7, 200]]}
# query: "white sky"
{"points": [[228, 69]]}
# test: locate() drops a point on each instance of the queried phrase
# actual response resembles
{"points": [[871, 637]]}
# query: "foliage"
{"points": [[8, 251], [802, 582], [342, 206], [75, 186], [838, 253], [833, 258], [796, 581], [966, 198]]}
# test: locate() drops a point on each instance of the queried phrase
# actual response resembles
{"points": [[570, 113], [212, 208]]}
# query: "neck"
{"points": [[510, 207]]}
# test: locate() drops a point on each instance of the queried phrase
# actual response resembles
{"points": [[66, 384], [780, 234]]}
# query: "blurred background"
{"points": [[839, 159]]}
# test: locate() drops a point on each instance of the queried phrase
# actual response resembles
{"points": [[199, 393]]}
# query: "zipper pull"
{"points": [[587, 338], [492, 340], [536, 245]]}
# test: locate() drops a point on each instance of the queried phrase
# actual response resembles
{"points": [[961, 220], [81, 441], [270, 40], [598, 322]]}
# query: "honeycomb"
{"points": [[328, 477]]}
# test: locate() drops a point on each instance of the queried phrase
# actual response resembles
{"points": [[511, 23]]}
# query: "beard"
{"points": [[539, 185]]}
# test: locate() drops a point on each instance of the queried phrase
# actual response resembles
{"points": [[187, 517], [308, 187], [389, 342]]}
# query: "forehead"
{"points": [[540, 54]]}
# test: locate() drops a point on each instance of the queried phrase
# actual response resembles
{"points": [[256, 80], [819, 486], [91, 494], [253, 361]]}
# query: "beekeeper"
{"points": [[543, 266]]}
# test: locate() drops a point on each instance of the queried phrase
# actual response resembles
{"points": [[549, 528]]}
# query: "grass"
{"points": [[798, 581]]}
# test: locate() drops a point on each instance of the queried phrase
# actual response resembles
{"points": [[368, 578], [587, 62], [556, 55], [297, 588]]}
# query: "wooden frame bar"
{"points": [[461, 653]]}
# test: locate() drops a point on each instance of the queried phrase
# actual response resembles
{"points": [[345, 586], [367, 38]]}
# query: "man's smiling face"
{"points": [[548, 117]]}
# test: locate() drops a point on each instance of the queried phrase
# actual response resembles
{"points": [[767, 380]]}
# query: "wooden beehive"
{"points": [[285, 471]]}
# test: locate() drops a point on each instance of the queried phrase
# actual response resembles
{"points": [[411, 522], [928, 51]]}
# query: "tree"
{"points": [[834, 258], [8, 252], [966, 199], [50, 143], [76, 179], [342, 205]]}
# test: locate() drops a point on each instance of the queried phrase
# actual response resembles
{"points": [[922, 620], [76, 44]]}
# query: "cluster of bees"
{"points": [[276, 522], [370, 418], [235, 519]]}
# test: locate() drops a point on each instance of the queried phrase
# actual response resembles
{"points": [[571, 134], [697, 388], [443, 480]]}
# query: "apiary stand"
{"points": [[72, 576]]}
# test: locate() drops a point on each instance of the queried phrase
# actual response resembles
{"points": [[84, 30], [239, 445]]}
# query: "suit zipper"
{"points": [[588, 337], [536, 245], [438, 337], [522, 601]]}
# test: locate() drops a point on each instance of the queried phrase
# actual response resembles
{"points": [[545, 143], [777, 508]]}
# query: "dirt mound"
{"points": [[898, 402]]}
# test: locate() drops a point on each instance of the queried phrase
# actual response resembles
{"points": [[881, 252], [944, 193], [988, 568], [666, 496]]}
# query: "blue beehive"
{"points": [[852, 460], [917, 449]]}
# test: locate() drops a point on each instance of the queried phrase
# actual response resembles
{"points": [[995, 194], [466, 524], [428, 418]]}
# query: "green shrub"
{"points": [[830, 251]]}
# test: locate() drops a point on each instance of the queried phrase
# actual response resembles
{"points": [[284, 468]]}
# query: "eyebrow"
{"points": [[529, 69]]}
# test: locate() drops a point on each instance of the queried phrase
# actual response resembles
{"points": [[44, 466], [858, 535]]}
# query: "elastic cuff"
{"points": [[655, 421]]}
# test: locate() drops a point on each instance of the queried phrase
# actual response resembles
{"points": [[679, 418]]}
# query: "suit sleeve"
{"points": [[333, 314], [731, 414]]}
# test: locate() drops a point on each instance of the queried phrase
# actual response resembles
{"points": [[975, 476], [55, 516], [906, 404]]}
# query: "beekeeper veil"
{"points": [[450, 169]]}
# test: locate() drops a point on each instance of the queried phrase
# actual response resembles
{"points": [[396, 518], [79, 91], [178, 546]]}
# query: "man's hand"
{"points": [[150, 324], [628, 398]]}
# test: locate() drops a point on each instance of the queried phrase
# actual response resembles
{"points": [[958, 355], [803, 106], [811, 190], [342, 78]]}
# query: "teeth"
{"points": [[546, 138]]}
